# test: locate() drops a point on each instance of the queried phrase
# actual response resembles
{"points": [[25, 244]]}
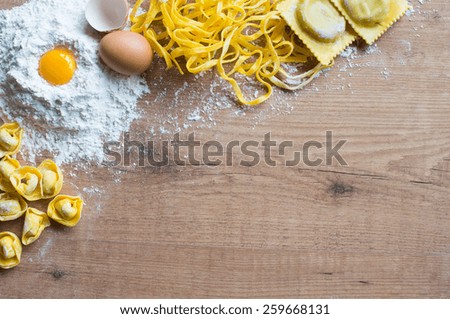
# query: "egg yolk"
{"points": [[57, 66]]}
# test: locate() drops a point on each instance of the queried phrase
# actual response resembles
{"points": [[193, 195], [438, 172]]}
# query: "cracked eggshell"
{"points": [[107, 15]]}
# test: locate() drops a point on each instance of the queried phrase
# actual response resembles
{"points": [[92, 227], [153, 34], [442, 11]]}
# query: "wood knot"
{"points": [[339, 189], [58, 274]]}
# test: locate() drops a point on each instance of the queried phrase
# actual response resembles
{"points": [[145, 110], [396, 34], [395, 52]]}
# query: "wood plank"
{"points": [[378, 227]]}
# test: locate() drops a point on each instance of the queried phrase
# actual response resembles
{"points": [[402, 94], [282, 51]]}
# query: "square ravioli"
{"points": [[319, 25], [371, 18]]}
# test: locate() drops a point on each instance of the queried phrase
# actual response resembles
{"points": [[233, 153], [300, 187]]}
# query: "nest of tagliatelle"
{"points": [[247, 37]]}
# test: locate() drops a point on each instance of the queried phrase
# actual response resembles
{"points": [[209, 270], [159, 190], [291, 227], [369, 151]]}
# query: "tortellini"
{"points": [[35, 223], [27, 181], [10, 250], [52, 179], [7, 167], [65, 210], [12, 206], [10, 138], [20, 183]]}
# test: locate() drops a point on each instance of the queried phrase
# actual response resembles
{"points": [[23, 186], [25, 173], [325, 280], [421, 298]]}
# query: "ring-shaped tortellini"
{"points": [[7, 167], [10, 250], [27, 181], [12, 206], [10, 138], [52, 179], [65, 210], [35, 223]]}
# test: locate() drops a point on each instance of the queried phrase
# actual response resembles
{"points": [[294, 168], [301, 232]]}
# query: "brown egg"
{"points": [[126, 52]]}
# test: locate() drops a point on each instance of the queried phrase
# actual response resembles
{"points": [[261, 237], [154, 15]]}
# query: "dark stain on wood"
{"points": [[340, 189], [58, 274]]}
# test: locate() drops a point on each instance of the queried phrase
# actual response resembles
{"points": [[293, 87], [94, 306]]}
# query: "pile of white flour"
{"points": [[70, 121]]}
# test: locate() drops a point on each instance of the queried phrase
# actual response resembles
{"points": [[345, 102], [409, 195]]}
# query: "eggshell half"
{"points": [[107, 15], [126, 52]]}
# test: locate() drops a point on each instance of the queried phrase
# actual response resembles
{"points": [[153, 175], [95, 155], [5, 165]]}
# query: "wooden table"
{"points": [[378, 227]]}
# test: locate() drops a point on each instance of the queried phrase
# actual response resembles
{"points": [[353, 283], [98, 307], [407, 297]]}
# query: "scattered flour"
{"points": [[72, 121], [69, 121], [45, 247]]}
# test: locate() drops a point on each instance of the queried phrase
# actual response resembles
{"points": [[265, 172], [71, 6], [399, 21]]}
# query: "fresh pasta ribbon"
{"points": [[65, 210], [12, 206], [246, 37], [10, 250], [35, 223]]}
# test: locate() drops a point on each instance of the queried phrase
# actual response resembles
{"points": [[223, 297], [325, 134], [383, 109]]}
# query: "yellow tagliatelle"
{"points": [[235, 36]]}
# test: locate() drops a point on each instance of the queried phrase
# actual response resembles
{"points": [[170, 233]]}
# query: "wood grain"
{"points": [[379, 227]]}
